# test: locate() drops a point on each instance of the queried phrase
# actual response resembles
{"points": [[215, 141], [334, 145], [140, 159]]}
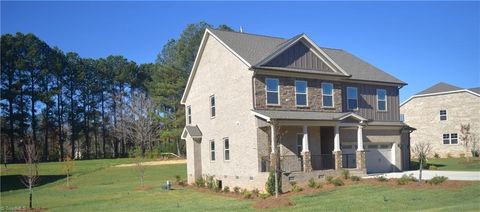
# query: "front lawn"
{"points": [[450, 164], [103, 187]]}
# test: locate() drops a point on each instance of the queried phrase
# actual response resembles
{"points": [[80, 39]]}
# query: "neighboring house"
{"points": [[331, 109], [437, 114]]}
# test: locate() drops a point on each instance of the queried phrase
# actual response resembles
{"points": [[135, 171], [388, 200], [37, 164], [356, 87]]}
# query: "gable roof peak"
{"points": [[439, 87]]}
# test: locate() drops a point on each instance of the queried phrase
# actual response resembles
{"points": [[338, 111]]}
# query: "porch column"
{"points": [[307, 163], [360, 154], [273, 143], [337, 152]]}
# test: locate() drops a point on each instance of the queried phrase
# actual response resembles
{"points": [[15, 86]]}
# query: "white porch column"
{"points": [[305, 139], [273, 135], [360, 138], [336, 139]]}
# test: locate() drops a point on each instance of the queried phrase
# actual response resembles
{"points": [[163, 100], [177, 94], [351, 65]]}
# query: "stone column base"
{"points": [[307, 162], [338, 159], [360, 158]]}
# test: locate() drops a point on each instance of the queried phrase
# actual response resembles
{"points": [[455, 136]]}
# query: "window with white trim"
{"points": [[189, 114], [451, 138], [381, 99], [327, 94], [212, 106], [226, 149], [352, 98], [212, 150], [272, 88], [301, 93], [443, 115]]}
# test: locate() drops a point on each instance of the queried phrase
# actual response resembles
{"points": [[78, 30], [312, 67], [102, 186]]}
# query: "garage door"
{"points": [[377, 158]]}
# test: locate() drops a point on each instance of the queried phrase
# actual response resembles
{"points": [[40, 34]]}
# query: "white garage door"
{"points": [[377, 158]]}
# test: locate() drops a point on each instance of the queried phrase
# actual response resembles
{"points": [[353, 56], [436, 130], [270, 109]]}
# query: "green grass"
{"points": [[451, 164], [107, 188]]}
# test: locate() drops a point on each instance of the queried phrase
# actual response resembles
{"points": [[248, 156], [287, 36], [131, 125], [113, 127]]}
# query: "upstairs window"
{"points": [[212, 150], [381, 100], [352, 98], [189, 114], [443, 115], [226, 149], [301, 90], [212, 106], [451, 138], [327, 94], [272, 87]]}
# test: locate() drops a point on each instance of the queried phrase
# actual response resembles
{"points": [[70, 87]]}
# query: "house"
{"points": [[438, 112], [250, 98]]}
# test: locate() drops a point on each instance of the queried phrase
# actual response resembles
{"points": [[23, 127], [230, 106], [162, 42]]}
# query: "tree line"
{"points": [[93, 108]]}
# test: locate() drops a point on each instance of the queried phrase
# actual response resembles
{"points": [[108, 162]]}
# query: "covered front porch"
{"points": [[310, 141]]}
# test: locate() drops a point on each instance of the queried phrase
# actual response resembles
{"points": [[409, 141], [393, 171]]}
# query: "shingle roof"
{"points": [[476, 90], [439, 87], [254, 48], [193, 131]]}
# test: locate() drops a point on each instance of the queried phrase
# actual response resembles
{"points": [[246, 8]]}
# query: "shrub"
{"points": [[437, 180], [177, 178], [247, 194], [216, 186], [382, 179], [296, 188], [329, 179], [355, 178], [236, 189], [200, 182], [226, 189], [405, 179], [210, 182], [337, 182], [264, 195], [436, 155], [345, 174], [255, 192], [270, 184], [312, 183]]}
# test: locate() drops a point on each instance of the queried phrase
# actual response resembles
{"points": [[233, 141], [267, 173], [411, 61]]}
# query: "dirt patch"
{"points": [[155, 163], [272, 202], [449, 184], [143, 188]]}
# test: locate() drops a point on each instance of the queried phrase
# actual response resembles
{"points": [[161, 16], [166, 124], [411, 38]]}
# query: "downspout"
{"points": [[253, 90]]}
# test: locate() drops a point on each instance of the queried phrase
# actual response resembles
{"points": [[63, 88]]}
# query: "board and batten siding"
{"points": [[299, 56], [367, 102]]}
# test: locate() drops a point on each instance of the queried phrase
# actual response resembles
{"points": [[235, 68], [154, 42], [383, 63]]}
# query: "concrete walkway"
{"points": [[428, 174]]}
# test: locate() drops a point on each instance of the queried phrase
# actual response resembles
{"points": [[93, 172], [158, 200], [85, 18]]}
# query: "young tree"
{"points": [[68, 166], [466, 139], [30, 179], [421, 150]]}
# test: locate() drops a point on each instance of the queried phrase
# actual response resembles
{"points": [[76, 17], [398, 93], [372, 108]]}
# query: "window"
{"points": [[212, 150], [352, 98], [327, 94], [450, 138], [443, 115], [381, 100], [226, 149], [299, 143], [212, 106], [189, 114], [301, 91], [273, 97]]}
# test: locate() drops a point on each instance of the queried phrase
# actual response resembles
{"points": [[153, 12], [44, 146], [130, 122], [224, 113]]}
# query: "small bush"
{"points": [[345, 174], [405, 179], [210, 182], [436, 155], [382, 179], [264, 195], [296, 188], [200, 182], [255, 192], [270, 184], [226, 189], [216, 186], [355, 178], [337, 182], [437, 180], [329, 179], [312, 183], [177, 178], [247, 194], [236, 189]]}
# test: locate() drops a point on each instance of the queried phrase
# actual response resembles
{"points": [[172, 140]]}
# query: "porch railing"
{"points": [[349, 161], [323, 161]]}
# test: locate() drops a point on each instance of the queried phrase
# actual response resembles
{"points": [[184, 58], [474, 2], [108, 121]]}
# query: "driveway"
{"points": [[428, 174]]}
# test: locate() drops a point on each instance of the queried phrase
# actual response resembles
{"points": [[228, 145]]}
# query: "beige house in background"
{"points": [[329, 109], [437, 114]]}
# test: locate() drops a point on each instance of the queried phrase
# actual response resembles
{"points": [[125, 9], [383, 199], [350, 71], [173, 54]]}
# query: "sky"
{"points": [[421, 43]]}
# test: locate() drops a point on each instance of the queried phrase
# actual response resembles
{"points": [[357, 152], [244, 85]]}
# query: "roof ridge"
{"points": [[251, 34]]}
